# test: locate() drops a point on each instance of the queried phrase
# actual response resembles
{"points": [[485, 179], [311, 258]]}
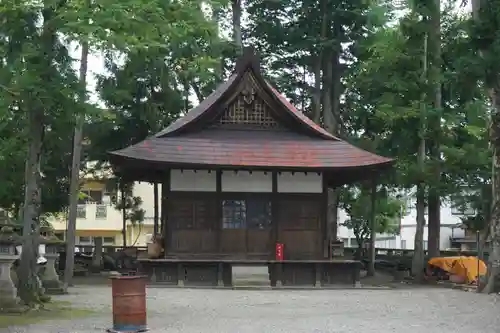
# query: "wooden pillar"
{"points": [[166, 232], [373, 201], [324, 219], [124, 216], [156, 210], [218, 209], [274, 215]]}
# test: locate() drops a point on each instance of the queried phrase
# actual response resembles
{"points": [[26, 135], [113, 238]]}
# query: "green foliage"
{"points": [[289, 36], [477, 203], [167, 47], [384, 94], [357, 203], [147, 89], [129, 204]]}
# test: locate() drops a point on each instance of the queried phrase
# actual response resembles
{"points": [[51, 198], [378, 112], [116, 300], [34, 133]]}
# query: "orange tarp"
{"points": [[466, 267]]}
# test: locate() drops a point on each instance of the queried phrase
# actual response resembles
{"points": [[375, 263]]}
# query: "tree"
{"points": [[130, 206], [486, 16], [153, 52], [302, 44], [357, 203], [38, 86], [384, 95]]}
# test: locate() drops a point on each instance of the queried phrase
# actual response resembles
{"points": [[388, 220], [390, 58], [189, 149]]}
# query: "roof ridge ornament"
{"points": [[248, 91], [248, 59]]}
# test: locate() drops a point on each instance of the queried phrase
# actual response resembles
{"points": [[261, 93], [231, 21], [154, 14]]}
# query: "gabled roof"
{"points": [[191, 141], [247, 63]]}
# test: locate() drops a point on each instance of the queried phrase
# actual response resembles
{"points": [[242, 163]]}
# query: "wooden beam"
{"points": [[324, 229], [156, 221], [218, 209], [274, 214], [166, 230], [373, 216]]}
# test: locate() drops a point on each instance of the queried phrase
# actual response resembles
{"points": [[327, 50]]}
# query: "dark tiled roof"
{"points": [[299, 115], [201, 108], [244, 148], [190, 141]]}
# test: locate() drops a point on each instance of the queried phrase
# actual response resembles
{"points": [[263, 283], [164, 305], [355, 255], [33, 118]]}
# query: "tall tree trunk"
{"points": [[434, 225], [75, 171], [29, 287], [316, 95], [330, 98], [237, 36], [418, 264], [318, 64], [493, 277], [434, 207], [336, 90], [373, 234], [218, 51], [493, 280], [29, 290], [124, 216]]}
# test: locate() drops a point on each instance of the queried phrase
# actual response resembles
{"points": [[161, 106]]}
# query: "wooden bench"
{"points": [[218, 272]]}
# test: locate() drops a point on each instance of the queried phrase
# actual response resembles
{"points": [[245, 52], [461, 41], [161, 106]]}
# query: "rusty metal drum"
{"points": [[129, 304]]}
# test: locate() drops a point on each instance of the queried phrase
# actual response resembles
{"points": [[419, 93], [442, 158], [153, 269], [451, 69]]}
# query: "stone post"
{"points": [[49, 277], [8, 291], [97, 255]]}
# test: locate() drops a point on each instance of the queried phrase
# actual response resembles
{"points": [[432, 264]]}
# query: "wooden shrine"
{"points": [[242, 172]]}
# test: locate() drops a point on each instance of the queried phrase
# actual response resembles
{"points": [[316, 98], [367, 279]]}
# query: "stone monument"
{"points": [[50, 279], [8, 292]]}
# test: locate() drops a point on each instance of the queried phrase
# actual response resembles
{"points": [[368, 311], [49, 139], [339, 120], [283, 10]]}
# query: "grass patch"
{"points": [[55, 310]]}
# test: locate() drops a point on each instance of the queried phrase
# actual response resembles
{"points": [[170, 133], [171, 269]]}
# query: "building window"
{"points": [[249, 213], [258, 214], [81, 212], [233, 214], [108, 240], [87, 197], [84, 240], [101, 211]]}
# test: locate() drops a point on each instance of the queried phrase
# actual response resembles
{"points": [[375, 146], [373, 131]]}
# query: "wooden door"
{"points": [[299, 226], [246, 227]]}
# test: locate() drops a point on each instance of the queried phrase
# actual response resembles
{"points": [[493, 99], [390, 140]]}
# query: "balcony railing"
{"points": [[101, 211], [81, 212]]}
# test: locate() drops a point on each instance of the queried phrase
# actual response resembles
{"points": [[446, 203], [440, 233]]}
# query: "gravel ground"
{"points": [[412, 310]]}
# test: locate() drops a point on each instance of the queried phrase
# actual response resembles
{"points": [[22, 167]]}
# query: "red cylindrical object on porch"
{"points": [[129, 304], [279, 251]]}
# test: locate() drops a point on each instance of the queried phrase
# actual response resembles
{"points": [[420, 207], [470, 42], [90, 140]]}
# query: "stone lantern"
{"points": [[49, 276], [8, 292]]}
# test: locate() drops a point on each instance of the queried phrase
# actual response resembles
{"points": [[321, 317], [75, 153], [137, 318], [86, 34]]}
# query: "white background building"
{"points": [[450, 218]]}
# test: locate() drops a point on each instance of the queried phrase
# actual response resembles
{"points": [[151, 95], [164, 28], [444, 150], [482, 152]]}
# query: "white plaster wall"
{"points": [[406, 239], [189, 180], [146, 192], [112, 221], [300, 182], [244, 181]]}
